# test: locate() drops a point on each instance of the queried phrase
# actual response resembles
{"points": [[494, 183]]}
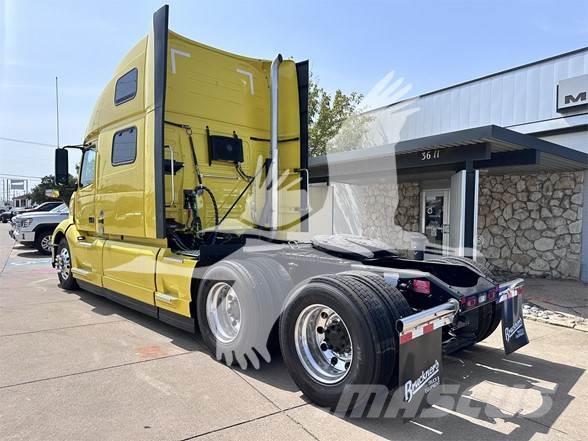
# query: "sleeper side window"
{"points": [[124, 146], [126, 87]]}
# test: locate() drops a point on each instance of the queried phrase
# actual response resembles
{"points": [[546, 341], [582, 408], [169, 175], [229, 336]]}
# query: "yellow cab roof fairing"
{"points": [[105, 112]]}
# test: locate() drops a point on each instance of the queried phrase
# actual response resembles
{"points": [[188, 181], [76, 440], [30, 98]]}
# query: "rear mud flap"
{"points": [[514, 334], [420, 366]]}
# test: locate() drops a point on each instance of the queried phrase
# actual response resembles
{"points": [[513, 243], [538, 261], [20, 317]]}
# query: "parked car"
{"points": [[8, 215], [36, 228], [45, 206]]}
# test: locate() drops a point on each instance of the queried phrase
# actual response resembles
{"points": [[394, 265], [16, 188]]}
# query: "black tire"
{"points": [[480, 269], [394, 299], [488, 316], [280, 284], [66, 279], [370, 322], [43, 241], [260, 293], [488, 320]]}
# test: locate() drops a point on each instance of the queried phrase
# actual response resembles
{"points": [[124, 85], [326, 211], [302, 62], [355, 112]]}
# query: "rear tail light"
{"points": [[421, 286], [471, 301], [492, 294]]}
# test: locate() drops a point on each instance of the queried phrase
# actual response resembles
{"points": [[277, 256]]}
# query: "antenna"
{"points": [[57, 107]]}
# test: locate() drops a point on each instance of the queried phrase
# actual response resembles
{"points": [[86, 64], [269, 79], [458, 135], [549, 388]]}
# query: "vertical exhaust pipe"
{"points": [[274, 87]]}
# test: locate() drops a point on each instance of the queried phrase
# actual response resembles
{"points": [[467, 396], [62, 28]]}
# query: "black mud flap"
{"points": [[420, 365], [514, 334]]}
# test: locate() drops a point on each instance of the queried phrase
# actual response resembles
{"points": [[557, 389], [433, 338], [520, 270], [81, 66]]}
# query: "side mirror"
{"points": [[61, 167]]}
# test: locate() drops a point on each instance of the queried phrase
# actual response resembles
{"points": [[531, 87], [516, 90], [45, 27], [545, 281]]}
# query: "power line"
{"points": [[23, 141]]}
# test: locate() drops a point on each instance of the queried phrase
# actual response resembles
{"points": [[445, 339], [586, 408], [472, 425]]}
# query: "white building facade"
{"points": [[494, 167]]}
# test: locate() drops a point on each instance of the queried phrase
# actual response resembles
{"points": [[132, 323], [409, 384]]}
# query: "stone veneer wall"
{"points": [[532, 224], [390, 211]]}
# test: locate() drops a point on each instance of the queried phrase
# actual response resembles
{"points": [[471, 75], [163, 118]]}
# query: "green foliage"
{"points": [[326, 114], [48, 183]]}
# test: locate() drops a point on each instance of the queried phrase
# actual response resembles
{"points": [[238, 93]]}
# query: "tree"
{"points": [[326, 115], [38, 195]]}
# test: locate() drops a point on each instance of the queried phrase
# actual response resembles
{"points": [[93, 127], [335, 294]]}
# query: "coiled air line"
{"points": [[200, 189]]}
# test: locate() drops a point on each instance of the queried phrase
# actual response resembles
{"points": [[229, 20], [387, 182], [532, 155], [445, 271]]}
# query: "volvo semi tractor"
{"points": [[192, 206]]}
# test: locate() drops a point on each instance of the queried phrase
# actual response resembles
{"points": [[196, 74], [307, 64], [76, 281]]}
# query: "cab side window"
{"points": [[88, 167], [126, 87], [124, 146]]}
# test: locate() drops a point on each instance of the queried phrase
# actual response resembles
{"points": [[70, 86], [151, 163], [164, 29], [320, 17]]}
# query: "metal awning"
{"points": [[492, 148]]}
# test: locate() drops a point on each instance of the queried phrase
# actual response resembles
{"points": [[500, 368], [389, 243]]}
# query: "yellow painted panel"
{"points": [[86, 255], [129, 269], [120, 188], [174, 279], [149, 177], [105, 112]]}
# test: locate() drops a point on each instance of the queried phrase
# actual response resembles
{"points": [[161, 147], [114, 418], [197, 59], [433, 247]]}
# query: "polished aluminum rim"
{"points": [[63, 263], [223, 312], [46, 243], [323, 344]]}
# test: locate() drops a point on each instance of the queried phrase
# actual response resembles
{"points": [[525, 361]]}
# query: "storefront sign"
{"points": [[572, 92]]}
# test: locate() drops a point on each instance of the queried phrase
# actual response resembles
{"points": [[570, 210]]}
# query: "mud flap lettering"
{"points": [[420, 366], [514, 334]]}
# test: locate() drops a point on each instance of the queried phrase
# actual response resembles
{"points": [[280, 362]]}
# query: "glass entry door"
{"points": [[435, 219]]}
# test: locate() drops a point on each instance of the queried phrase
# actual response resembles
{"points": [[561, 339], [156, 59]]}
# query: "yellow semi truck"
{"points": [[192, 207]]}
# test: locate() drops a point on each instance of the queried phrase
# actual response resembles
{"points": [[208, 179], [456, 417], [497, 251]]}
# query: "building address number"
{"points": [[430, 154]]}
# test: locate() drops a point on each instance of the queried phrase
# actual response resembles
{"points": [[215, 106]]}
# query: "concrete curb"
{"points": [[536, 313]]}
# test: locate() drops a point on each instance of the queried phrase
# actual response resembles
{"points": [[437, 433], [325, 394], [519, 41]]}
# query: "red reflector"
{"points": [[405, 338], [492, 294], [471, 301], [421, 286]]}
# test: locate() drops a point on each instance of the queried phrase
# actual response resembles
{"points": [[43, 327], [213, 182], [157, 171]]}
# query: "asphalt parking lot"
{"points": [[75, 366]]}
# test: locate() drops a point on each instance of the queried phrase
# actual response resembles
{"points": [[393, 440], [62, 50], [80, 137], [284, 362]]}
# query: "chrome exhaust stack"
{"points": [[274, 173]]}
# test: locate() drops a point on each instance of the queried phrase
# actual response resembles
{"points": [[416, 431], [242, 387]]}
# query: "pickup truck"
{"points": [[36, 228]]}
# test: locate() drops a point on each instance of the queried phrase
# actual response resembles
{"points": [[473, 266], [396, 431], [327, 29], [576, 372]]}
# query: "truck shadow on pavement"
{"points": [[24, 252], [486, 394], [106, 307]]}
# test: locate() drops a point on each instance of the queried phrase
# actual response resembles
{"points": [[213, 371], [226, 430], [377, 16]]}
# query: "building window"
{"points": [[88, 168], [126, 87], [124, 146]]}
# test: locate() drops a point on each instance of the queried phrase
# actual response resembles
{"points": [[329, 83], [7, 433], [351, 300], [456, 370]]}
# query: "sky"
{"points": [[351, 45]]}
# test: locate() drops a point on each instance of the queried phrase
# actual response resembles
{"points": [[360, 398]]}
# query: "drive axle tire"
{"points": [[64, 265], [336, 331], [238, 304], [488, 316], [481, 269], [488, 320]]}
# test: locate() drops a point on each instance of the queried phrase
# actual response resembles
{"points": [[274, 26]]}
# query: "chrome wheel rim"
{"points": [[46, 243], [223, 312], [63, 263], [323, 344]]}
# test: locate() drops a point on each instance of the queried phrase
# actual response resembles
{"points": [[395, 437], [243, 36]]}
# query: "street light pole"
{"points": [[57, 107]]}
